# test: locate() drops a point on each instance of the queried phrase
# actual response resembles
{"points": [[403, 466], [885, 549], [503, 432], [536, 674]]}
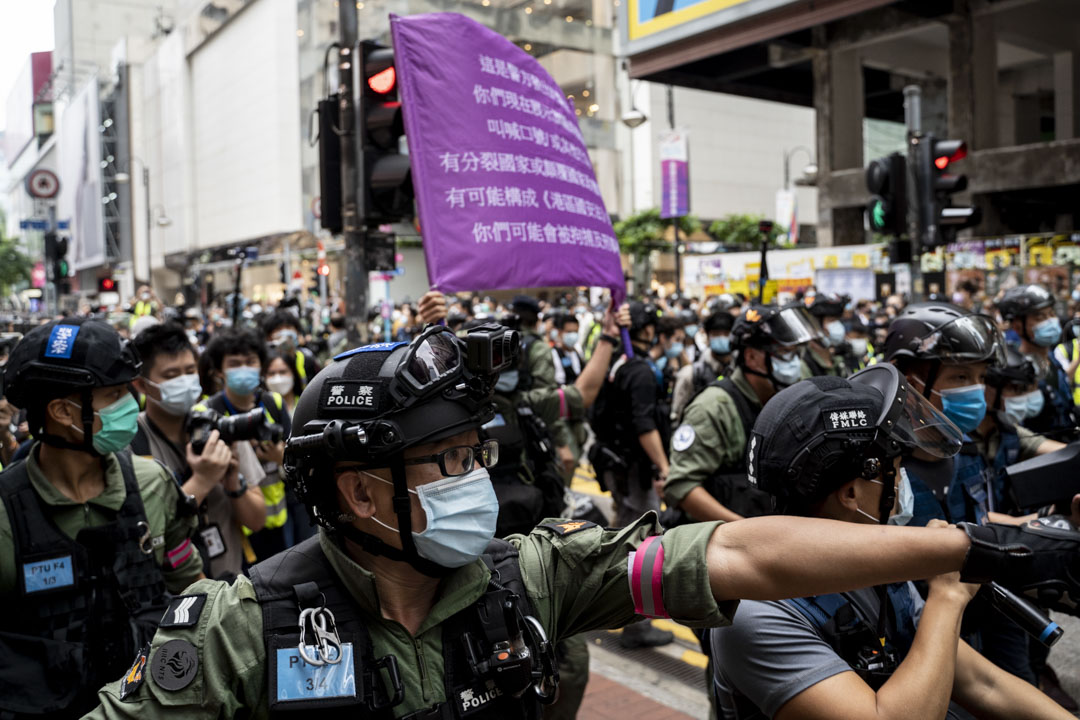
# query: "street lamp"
{"points": [[809, 171]]}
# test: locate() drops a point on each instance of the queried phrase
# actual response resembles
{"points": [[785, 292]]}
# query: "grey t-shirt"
{"points": [[770, 654]]}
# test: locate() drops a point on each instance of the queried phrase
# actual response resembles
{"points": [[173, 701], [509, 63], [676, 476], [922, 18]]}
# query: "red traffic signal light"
{"points": [[383, 82], [106, 284], [948, 151], [324, 269]]}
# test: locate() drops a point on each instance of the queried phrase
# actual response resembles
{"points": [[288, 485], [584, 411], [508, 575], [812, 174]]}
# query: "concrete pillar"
{"points": [[822, 70], [1066, 95], [984, 69], [848, 109], [1026, 118], [961, 78]]}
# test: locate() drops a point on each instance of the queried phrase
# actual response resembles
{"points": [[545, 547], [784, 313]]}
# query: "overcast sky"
{"points": [[26, 26]]}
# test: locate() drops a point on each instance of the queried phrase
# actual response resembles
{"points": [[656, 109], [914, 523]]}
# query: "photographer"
{"points": [[238, 359], [170, 383], [283, 329]]}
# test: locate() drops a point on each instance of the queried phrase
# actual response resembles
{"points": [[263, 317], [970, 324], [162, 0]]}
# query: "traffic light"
{"points": [[284, 279], [106, 284], [386, 191], [313, 287], [886, 179], [940, 186]]}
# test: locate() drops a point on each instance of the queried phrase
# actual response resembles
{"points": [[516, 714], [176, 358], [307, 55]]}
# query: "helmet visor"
{"points": [[921, 426], [794, 326], [972, 338]]}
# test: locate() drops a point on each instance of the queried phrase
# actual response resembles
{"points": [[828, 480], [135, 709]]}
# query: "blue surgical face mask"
{"points": [[836, 332], [674, 351], [965, 406], [507, 382], [178, 394], [720, 345], [1047, 333], [690, 330], [461, 513], [554, 334], [907, 501], [242, 380], [786, 372], [1014, 409], [570, 339], [1036, 400]]}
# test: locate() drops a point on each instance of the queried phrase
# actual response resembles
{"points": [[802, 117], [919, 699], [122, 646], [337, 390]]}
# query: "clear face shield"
{"points": [[972, 338], [795, 326]]}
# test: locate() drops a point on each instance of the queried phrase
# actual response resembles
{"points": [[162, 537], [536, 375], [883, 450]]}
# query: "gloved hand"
{"points": [[1040, 559]]}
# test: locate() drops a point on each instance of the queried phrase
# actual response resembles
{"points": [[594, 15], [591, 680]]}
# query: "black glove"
{"points": [[1040, 559]]}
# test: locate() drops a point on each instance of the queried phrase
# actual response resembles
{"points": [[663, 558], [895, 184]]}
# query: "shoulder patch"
{"points": [[133, 678], [184, 611], [175, 664], [568, 526], [683, 438]]}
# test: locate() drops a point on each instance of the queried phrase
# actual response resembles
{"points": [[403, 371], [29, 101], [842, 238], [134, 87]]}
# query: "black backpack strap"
{"points": [[138, 575], [21, 503]]}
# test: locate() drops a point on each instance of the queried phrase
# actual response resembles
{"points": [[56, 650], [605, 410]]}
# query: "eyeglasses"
{"points": [[458, 460]]}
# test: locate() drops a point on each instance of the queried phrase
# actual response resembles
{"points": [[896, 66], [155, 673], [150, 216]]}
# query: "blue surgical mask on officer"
{"points": [[786, 371], [461, 515], [1014, 409], [570, 339], [905, 500], [119, 423], [964, 406], [242, 380], [1047, 333], [720, 345], [836, 332], [1036, 401]]}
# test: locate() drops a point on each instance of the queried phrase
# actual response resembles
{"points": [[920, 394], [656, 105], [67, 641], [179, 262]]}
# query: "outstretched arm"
{"points": [[771, 558]]}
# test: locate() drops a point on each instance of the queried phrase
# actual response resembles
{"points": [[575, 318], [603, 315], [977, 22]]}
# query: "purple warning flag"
{"points": [[505, 189]]}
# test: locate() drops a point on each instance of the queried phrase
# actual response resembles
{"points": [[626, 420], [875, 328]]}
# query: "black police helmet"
{"points": [[1024, 300], [827, 305], [719, 321], [1017, 370], [763, 326], [723, 303], [944, 332], [821, 433], [65, 357], [642, 315]]}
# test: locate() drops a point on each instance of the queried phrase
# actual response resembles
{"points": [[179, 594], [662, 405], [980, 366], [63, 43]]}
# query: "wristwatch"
{"points": [[243, 487]]}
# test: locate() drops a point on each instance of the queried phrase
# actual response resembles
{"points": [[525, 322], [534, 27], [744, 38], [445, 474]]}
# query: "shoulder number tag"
{"points": [[300, 680], [49, 574]]}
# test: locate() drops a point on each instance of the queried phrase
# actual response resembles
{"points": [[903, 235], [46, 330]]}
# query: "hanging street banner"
{"points": [[674, 174], [505, 189]]}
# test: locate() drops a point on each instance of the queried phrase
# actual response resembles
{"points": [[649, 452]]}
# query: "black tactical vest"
{"points": [[302, 579], [729, 483], [82, 609]]}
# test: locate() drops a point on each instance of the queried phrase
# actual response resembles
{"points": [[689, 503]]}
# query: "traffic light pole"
{"points": [[915, 211], [352, 210]]}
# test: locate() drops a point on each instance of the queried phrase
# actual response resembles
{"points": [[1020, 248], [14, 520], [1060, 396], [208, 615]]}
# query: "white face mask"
{"points": [[282, 383]]}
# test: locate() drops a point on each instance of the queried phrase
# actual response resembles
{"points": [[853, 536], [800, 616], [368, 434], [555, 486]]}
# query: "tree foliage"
{"points": [[15, 265], [741, 230], [644, 232]]}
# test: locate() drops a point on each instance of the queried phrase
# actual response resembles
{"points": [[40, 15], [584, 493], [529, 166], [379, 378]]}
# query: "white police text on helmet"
{"points": [[357, 396], [845, 419]]}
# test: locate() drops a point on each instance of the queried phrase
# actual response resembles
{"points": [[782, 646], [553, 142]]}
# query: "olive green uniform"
{"points": [[988, 446], [168, 530], [544, 390], [715, 439], [575, 581]]}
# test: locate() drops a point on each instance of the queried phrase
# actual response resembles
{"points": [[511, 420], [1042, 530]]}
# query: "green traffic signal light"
{"points": [[877, 215], [62, 266]]}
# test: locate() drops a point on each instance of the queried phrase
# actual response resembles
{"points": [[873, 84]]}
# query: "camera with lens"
{"points": [[251, 425], [491, 348]]}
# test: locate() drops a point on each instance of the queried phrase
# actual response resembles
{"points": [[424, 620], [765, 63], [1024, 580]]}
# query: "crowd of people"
{"points": [[212, 518]]}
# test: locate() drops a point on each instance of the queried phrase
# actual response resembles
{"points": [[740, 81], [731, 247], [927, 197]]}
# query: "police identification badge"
{"points": [[51, 574], [184, 611], [846, 419], [133, 678], [212, 540], [298, 680], [683, 438]]}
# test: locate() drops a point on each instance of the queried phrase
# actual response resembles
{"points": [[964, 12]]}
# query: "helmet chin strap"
{"points": [[87, 444], [768, 375], [403, 511]]}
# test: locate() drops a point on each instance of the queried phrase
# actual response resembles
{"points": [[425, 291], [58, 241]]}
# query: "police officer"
{"points": [[830, 448], [822, 354], [708, 474], [715, 361], [90, 537], [1029, 310], [631, 424], [404, 606]]}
